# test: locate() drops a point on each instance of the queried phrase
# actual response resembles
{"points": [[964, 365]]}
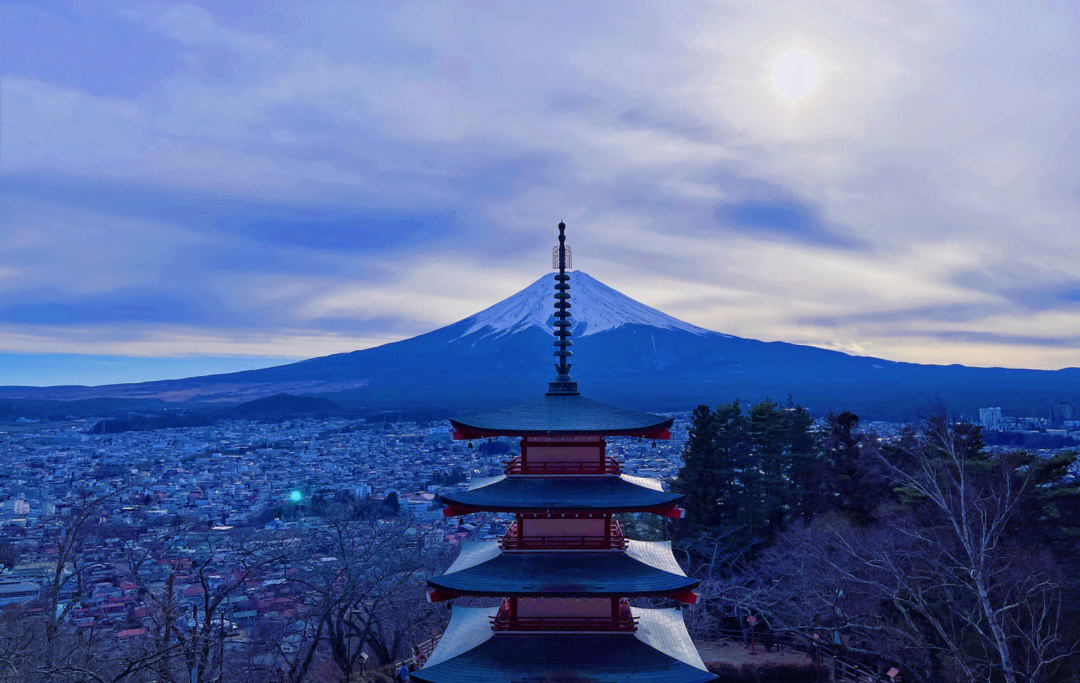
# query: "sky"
{"points": [[190, 188]]}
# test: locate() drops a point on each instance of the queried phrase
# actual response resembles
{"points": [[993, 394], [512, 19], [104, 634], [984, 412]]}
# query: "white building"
{"points": [[990, 418], [17, 591]]}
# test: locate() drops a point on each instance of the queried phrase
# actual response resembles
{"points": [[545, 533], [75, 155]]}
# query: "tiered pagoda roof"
{"points": [[659, 651], [643, 569], [608, 493], [564, 571], [565, 415]]}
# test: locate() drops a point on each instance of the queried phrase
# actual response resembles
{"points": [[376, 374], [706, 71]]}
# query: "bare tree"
{"points": [[974, 502], [943, 586], [40, 644], [363, 583], [718, 558], [75, 527], [189, 626], [339, 590]]}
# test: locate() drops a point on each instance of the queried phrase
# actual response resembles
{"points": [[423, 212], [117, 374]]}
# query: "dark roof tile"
{"points": [[562, 414]]}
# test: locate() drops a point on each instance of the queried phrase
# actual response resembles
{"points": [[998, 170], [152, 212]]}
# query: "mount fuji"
{"points": [[595, 308], [625, 352]]}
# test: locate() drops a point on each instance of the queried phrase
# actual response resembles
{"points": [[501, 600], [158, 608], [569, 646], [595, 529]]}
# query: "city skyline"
{"points": [[192, 189]]}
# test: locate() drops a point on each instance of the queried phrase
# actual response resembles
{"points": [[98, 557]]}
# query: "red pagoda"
{"points": [[564, 571]]}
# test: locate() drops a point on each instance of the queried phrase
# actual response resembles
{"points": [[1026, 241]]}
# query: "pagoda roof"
{"points": [[562, 414], [659, 651], [644, 568], [602, 493]]}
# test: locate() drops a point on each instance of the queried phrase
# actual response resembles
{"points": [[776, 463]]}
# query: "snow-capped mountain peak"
{"points": [[595, 307]]}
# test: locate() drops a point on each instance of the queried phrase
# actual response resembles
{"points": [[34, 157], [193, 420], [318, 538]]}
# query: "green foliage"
{"points": [[1049, 516], [849, 478], [391, 504], [924, 540], [454, 476], [9, 555], [497, 447], [747, 470]]}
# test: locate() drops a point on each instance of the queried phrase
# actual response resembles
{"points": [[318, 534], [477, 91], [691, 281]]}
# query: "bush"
{"points": [[377, 677], [768, 673]]}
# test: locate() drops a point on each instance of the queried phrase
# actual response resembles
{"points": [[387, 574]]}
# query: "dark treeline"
{"points": [[925, 551], [276, 408]]}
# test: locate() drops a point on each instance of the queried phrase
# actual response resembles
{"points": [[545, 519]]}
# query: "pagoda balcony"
{"points": [[613, 540], [607, 465], [505, 621]]}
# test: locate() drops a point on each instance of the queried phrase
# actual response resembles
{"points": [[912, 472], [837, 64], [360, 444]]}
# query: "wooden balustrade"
{"points": [[607, 465], [503, 621], [614, 540]]}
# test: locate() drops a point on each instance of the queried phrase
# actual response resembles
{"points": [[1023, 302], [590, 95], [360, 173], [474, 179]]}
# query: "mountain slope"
{"points": [[595, 308], [624, 352]]}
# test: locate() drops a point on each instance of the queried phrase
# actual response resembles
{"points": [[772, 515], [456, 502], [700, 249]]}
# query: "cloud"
{"points": [[781, 218], [84, 51], [47, 308], [359, 173]]}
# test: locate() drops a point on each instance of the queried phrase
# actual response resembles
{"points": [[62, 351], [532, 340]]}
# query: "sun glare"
{"points": [[795, 73]]}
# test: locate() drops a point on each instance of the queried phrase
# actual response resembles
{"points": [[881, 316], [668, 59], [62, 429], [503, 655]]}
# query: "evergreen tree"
{"points": [[749, 471], [849, 476], [731, 445], [698, 478], [9, 555], [391, 504]]}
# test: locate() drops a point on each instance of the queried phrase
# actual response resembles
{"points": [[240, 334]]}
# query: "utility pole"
{"points": [[221, 648]]}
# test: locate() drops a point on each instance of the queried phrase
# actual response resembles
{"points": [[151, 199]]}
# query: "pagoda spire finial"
{"points": [[561, 259]]}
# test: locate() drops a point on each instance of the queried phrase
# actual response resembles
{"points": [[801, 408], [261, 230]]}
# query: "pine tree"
{"points": [[747, 471], [731, 445], [849, 477], [697, 479]]}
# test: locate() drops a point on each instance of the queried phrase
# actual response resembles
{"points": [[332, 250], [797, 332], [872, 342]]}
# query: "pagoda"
{"points": [[564, 571]]}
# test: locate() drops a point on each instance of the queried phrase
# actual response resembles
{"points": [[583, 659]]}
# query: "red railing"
{"points": [[504, 622], [607, 465], [421, 652], [613, 541]]}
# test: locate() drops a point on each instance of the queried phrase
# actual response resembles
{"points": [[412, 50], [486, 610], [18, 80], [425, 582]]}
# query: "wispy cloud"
{"points": [[286, 180]]}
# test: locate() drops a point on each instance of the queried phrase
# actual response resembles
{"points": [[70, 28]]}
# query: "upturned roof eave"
{"points": [[643, 568], [478, 504], [660, 651], [562, 415], [465, 432], [687, 584]]}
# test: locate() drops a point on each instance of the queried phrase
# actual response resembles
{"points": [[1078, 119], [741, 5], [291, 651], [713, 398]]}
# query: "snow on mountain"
{"points": [[595, 307]]}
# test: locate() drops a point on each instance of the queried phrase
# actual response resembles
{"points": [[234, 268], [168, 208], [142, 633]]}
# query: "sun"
{"points": [[795, 73]]}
